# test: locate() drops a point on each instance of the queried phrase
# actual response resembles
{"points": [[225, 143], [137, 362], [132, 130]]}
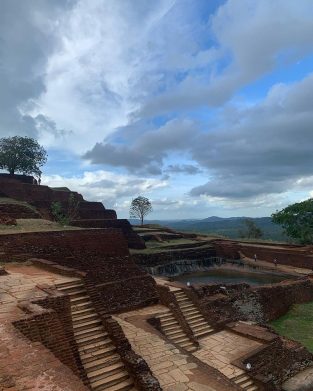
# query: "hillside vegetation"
{"points": [[226, 227]]}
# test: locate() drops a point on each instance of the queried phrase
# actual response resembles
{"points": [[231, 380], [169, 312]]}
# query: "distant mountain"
{"points": [[229, 227]]}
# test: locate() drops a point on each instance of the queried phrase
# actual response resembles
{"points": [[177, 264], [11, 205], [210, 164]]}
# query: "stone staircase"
{"points": [[104, 367], [245, 382], [175, 333], [196, 321]]}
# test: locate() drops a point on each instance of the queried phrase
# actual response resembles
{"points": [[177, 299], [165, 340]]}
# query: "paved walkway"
{"points": [[175, 371], [20, 284], [220, 349]]}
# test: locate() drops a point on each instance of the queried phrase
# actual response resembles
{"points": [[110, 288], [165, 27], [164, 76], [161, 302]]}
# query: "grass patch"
{"points": [[34, 225], [297, 324]]}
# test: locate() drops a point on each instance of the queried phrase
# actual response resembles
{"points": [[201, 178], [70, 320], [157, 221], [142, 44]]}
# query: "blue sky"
{"points": [[205, 107]]}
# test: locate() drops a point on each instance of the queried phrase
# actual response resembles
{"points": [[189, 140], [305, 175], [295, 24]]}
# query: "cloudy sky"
{"points": [[205, 107]]}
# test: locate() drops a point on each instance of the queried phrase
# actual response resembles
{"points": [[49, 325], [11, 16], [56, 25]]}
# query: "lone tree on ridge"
{"points": [[22, 154], [140, 207]]}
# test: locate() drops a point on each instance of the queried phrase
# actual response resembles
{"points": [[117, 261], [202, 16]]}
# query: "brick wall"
{"points": [[135, 364], [133, 239], [102, 255], [17, 211], [49, 322], [298, 256]]}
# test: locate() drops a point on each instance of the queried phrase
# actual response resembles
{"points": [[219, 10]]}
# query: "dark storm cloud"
{"points": [[27, 38], [146, 152], [183, 169], [267, 150]]}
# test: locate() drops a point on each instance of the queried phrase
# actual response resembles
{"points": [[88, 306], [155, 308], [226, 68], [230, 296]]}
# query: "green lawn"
{"points": [[297, 324]]}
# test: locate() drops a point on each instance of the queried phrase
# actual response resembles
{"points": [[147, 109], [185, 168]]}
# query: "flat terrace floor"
{"points": [[25, 365], [175, 370]]}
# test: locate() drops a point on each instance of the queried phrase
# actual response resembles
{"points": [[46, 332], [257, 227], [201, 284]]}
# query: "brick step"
{"points": [[77, 293], [240, 378], [80, 300], [99, 350], [183, 301], [193, 317], [94, 338], [105, 371], [67, 283], [252, 388], [191, 311], [70, 288], [81, 306], [107, 381], [173, 333], [196, 320], [199, 326], [79, 325], [122, 386], [98, 362], [189, 305], [90, 331], [203, 333], [85, 314], [181, 339], [192, 348], [186, 344], [246, 384], [171, 327], [165, 315]]}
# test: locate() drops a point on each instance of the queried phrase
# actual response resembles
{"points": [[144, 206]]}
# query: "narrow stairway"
{"points": [[245, 382], [175, 333], [196, 321], [104, 367]]}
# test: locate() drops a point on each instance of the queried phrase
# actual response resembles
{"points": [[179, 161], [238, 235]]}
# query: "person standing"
{"points": [[275, 262], [254, 257]]}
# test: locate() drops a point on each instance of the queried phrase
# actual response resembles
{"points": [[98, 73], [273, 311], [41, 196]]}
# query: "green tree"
{"points": [[22, 154], [62, 215], [140, 207], [297, 221], [252, 231]]}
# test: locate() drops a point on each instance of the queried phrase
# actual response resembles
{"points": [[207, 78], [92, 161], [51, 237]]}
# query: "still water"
{"points": [[226, 276]]}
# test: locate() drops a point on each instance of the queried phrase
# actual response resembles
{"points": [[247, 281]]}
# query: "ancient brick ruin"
{"points": [[92, 313]]}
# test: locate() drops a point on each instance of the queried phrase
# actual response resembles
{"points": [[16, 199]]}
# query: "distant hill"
{"points": [[228, 227]]}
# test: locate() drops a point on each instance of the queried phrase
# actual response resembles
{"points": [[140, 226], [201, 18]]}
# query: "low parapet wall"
{"points": [[297, 256]]}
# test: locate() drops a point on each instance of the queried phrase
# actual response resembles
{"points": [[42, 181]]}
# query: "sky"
{"points": [[204, 107]]}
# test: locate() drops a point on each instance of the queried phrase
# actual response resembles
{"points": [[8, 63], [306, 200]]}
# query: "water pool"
{"points": [[229, 276]]}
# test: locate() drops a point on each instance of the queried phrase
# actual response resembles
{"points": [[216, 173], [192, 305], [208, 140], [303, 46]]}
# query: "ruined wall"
{"points": [[17, 211], [102, 255], [160, 258], [133, 239], [259, 304], [136, 366], [278, 362], [49, 322], [298, 256]]}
